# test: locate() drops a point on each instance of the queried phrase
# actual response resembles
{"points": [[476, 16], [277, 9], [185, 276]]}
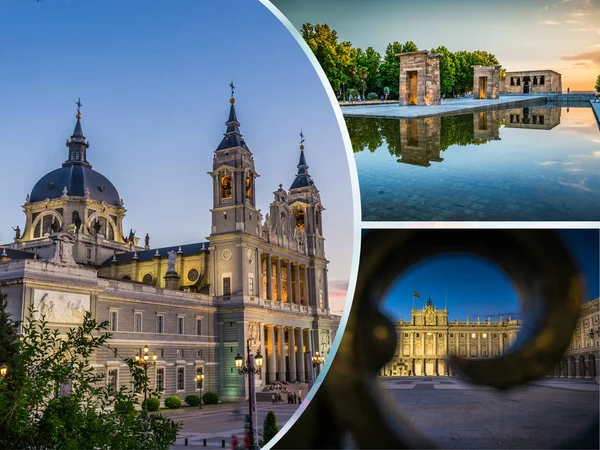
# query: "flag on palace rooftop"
{"points": [[416, 294]]}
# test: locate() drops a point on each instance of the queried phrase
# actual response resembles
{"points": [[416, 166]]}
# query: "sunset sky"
{"points": [[561, 35]]}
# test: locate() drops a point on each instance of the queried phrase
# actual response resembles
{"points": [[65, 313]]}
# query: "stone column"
{"points": [[292, 354], [259, 275], [435, 352], [309, 338], [468, 345], [412, 366], [269, 278], [281, 365], [290, 294], [263, 372], [300, 357], [446, 353], [297, 277], [306, 299], [412, 344], [278, 278], [271, 359], [437, 370]]}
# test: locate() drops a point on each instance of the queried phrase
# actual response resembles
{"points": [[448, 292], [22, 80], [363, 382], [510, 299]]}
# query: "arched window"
{"points": [[248, 187], [126, 278], [44, 225], [226, 187], [148, 279], [300, 219]]}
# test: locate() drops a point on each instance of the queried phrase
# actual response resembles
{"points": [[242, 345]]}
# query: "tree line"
{"points": [[354, 70]]}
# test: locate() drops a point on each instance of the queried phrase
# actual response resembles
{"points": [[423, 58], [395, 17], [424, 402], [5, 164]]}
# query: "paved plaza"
{"points": [[217, 422], [456, 414], [448, 107]]}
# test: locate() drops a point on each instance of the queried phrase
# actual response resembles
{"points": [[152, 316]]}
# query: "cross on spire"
{"points": [[232, 87], [301, 137]]}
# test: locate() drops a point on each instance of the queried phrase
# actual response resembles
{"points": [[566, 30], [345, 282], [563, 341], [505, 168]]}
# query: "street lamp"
{"points": [[318, 359], [200, 377], [253, 365], [145, 362], [3, 370]]}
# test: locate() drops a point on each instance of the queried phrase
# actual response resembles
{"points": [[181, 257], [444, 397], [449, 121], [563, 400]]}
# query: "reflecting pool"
{"points": [[538, 163]]}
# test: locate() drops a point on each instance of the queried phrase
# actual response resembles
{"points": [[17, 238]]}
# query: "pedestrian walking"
{"points": [[350, 98], [273, 397], [300, 396], [234, 442]]}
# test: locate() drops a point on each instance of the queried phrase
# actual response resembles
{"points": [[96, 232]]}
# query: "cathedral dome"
{"points": [[78, 179], [76, 175]]}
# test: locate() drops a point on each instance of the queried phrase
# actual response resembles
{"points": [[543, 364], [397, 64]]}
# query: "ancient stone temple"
{"points": [[538, 118], [486, 82], [419, 78], [532, 82], [486, 125]]}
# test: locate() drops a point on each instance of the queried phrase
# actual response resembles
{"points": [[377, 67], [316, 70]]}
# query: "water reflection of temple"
{"points": [[486, 125], [541, 118], [420, 141]]}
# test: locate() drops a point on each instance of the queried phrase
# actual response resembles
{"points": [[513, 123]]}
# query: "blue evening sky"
{"points": [[562, 35], [153, 79], [476, 287]]}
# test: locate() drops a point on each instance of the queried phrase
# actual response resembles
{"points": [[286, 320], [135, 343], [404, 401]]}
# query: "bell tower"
{"points": [[234, 179]]}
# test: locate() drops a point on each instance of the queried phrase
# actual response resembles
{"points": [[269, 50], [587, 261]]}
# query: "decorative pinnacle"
{"points": [[232, 100], [79, 105]]}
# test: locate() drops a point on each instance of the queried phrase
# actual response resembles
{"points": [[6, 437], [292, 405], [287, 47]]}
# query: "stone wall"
{"points": [[492, 87], [530, 82], [426, 90]]}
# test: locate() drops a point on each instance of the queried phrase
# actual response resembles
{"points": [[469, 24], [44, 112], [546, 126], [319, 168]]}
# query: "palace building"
{"points": [[262, 279], [428, 337]]}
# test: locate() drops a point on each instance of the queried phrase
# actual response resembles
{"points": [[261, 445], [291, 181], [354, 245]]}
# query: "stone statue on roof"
{"points": [[147, 240], [172, 259], [17, 233]]}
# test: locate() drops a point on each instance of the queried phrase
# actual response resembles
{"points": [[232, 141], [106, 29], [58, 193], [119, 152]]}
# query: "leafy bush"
{"points": [[153, 404], [270, 427], [124, 407], [210, 398], [352, 92], [173, 402], [53, 399], [372, 96], [193, 400]]}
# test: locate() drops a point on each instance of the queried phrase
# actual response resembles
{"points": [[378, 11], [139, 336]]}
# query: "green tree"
{"points": [[8, 338], [386, 92], [270, 427], [447, 70], [336, 58], [369, 62], [55, 399], [597, 87], [390, 66], [364, 133]]}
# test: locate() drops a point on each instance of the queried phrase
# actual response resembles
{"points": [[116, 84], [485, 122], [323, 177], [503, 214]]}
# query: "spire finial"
{"points": [[79, 105], [301, 140], [232, 101]]}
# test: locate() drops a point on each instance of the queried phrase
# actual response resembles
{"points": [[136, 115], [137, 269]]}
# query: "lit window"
{"points": [[484, 335], [226, 286], [473, 335]]}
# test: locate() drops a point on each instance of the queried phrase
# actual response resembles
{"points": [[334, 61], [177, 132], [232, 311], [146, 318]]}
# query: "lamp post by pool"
{"points": [[253, 365], [200, 377], [318, 359], [145, 362], [3, 370]]}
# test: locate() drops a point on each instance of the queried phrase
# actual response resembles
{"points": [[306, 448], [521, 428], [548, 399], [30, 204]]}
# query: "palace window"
{"points": [[160, 323], [199, 383], [462, 335], [473, 335], [321, 300], [181, 378], [114, 320], [451, 335], [406, 335], [148, 279], [160, 379], [226, 187], [250, 284], [418, 335], [300, 219], [112, 379], [180, 325], [226, 286], [137, 322], [484, 335], [199, 327], [88, 253], [495, 335], [439, 334]]}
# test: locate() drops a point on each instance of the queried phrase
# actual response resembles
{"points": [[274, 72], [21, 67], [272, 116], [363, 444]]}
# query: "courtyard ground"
{"points": [[456, 414], [217, 422]]}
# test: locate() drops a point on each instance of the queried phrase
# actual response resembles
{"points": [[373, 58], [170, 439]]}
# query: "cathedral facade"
{"points": [[256, 279]]}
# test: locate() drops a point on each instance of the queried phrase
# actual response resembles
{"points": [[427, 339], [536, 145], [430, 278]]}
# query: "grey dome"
{"points": [[76, 178]]}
